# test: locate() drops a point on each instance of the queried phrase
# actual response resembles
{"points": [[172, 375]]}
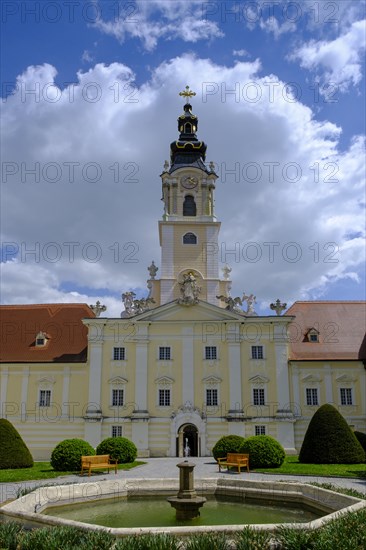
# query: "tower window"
{"points": [[187, 128], [189, 238], [189, 206]]}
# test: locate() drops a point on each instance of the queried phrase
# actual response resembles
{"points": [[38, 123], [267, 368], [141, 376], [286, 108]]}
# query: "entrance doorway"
{"points": [[187, 439]]}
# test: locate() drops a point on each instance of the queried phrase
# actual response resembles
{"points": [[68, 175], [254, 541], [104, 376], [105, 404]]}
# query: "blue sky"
{"points": [[105, 78]]}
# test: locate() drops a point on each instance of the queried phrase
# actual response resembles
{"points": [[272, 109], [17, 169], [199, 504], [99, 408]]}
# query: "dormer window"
{"points": [[312, 335], [41, 339]]}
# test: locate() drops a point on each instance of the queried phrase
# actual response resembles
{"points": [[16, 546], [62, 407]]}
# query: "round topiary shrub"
{"points": [[329, 440], [14, 453], [227, 444], [119, 448], [66, 456], [264, 451], [361, 438]]}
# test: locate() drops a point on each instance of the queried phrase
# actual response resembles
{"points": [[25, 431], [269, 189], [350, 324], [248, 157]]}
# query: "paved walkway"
{"points": [[166, 468]]}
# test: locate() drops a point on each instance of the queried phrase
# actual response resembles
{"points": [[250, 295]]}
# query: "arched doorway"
{"points": [[187, 437]]}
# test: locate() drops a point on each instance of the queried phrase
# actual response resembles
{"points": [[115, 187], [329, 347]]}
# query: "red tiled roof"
{"points": [[341, 326], [66, 334]]}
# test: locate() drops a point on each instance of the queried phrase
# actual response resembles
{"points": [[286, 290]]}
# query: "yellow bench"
{"points": [[98, 462], [234, 459]]}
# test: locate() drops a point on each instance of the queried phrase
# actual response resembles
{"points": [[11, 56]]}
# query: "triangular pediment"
{"points": [[166, 380], [258, 379], [203, 311], [311, 378], [345, 378], [212, 380], [45, 381], [117, 380]]}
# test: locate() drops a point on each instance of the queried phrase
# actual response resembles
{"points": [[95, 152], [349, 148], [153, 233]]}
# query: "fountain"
{"points": [[186, 503]]}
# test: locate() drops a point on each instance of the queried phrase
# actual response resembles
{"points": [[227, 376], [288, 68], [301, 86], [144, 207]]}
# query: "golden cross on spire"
{"points": [[187, 93]]}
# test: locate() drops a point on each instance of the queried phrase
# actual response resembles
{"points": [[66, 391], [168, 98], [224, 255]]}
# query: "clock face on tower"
{"points": [[189, 182]]}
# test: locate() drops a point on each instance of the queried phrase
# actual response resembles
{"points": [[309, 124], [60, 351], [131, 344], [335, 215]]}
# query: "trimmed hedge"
{"points": [[66, 456], [119, 448], [264, 451], [227, 444], [361, 438], [329, 440], [14, 453]]}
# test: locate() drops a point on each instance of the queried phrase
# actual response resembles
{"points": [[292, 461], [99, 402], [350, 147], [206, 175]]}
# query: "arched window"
{"points": [[189, 238], [188, 128], [189, 206]]}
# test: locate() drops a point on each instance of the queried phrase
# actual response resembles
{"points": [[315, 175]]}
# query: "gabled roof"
{"points": [[66, 334], [341, 326]]}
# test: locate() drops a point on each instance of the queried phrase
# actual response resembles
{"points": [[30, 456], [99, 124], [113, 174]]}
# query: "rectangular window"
{"points": [[164, 353], [119, 354], [116, 431], [45, 398], [164, 398], [258, 396], [260, 430], [312, 396], [117, 398], [210, 352], [346, 396], [212, 399], [257, 352]]}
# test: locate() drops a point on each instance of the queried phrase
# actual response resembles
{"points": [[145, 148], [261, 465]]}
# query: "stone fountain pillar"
{"points": [[186, 503]]}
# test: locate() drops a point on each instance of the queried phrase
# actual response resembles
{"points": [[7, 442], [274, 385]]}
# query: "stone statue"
{"points": [[226, 271], [152, 269], [212, 166], [278, 307], [189, 290], [98, 308], [142, 305], [250, 300], [166, 166], [233, 304], [128, 302]]}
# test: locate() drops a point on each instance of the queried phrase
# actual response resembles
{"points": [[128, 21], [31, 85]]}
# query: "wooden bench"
{"points": [[234, 459], [98, 462]]}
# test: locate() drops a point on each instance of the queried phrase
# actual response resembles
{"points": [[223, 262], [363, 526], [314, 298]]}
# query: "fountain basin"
{"points": [[28, 509]]}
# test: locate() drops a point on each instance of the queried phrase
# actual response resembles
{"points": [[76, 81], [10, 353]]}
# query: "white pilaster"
{"points": [[141, 377], [328, 384], [235, 376], [296, 390], [167, 251], [212, 252], [282, 378], [24, 393], [187, 365], [4, 376], [65, 392]]}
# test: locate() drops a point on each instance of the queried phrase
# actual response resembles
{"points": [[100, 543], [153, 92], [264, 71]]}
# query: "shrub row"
{"points": [[346, 533], [67, 454], [264, 451]]}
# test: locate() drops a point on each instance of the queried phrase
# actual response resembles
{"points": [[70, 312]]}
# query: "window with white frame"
{"points": [[164, 398], [165, 353], [119, 354], [260, 430], [44, 398], [116, 431], [346, 396], [210, 353], [212, 397], [312, 396], [257, 352], [117, 397], [258, 396]]}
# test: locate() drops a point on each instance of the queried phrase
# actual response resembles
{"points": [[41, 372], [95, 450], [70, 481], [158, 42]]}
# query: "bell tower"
{"points": [[189, 229]]}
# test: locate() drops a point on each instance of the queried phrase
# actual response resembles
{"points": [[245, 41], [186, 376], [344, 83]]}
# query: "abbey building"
{"points": [[188, 363]]}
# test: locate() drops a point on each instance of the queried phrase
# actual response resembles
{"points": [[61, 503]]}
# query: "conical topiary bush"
{"points": [[14, 453], [329, 440]]}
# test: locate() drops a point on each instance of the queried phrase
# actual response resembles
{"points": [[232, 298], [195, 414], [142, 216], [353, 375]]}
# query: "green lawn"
{"points": [[44, 470], [292, 466]]}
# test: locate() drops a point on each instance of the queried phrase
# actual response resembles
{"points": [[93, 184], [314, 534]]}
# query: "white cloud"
{"points": [[271, 25], [338, 61], [87, 57], [156, 19], [101, 235], [241, 53]]}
